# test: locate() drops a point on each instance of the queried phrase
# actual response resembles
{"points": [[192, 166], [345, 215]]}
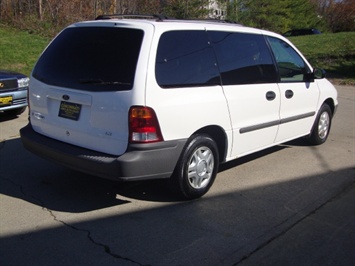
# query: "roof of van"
{"points": [[162, 18]]}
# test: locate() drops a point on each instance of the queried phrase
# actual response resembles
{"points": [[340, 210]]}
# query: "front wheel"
{"points": [[321, 126], [197, 167]]}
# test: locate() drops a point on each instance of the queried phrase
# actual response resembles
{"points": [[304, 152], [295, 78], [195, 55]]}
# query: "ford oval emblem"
{"points": [[66, 97]]}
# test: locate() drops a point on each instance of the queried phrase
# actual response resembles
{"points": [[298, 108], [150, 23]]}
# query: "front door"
{"points": [[299, 95]]}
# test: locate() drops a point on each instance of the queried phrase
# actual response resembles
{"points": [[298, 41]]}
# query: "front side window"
{"points": [[185, 58], [243, 58], [291, 66], [91, 58]]}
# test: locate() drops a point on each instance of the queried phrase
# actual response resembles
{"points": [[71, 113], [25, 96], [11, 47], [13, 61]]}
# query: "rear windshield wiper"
{"points": [[101, 82]]}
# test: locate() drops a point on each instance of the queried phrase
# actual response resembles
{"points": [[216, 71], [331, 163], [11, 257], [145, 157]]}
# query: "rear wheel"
{"points": [[197, 167], [321, 126]]}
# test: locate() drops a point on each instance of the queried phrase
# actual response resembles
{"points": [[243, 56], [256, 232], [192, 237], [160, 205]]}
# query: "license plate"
{"points": [[6, 100], [69, 110]]}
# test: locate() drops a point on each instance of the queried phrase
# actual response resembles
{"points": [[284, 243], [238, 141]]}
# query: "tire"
{"points": [[197, 167], [321, 127], [14, 112]]}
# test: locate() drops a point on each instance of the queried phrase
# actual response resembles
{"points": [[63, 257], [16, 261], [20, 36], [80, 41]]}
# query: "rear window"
{"points": [[91, 58]]}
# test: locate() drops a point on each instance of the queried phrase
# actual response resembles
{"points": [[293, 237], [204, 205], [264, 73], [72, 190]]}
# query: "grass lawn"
{"points": [[19, 50], [334, 52]]}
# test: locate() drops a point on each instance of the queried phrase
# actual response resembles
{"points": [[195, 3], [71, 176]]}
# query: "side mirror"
{"points": [[319, 73]]}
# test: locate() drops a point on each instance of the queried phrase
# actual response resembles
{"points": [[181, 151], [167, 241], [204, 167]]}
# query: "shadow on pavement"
{"points": [[6, 117], [222, 229], [61, 189]]}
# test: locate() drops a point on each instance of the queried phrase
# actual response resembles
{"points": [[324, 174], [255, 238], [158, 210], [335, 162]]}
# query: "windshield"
{"points": [[91, 58]]}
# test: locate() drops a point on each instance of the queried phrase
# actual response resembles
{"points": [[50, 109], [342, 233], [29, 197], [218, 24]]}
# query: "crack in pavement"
{"points": [[106, 248]]}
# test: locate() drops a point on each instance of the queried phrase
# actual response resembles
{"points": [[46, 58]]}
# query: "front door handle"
{"points": [[288, 94], [270, 95]]}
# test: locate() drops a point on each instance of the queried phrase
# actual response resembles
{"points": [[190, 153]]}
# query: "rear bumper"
{"points": [[139, 162]]}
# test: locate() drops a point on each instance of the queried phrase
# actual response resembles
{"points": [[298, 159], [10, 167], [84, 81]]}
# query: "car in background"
{"points": [[13, 92], [300, 32]]}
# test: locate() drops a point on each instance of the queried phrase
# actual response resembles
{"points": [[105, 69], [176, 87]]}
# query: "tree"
{"points": [[186, 8], [304, 15], [265, 14], [232, 11], [340, 15], [40, 10], [149, 7], [336, 15], [277, 15]]}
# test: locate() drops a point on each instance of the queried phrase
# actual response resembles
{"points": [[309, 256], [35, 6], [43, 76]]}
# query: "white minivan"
{"points": [[145, 98]]}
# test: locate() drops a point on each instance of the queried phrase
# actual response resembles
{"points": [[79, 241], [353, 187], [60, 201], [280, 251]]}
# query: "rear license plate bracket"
{"points": [[69, 110]]}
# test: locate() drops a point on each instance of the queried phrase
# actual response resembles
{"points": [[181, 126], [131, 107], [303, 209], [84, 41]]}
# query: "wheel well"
{"points": [[219, 136], [331, 104]]}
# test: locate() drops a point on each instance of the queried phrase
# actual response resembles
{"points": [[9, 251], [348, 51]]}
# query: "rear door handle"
{"points": [[288, 94], [270, 95]]}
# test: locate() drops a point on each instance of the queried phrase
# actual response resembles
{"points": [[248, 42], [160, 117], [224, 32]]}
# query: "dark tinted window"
{"points": [[243, 58], [185, 58], [91, 58], [291, 66]]}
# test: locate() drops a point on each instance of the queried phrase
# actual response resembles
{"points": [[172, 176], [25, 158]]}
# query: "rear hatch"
{"points": [[81, 87]]}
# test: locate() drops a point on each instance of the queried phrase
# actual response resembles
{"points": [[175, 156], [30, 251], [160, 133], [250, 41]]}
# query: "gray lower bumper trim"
{"points": [[141, 161]]}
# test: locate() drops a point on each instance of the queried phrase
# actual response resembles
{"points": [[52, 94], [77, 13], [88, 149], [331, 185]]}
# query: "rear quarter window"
{"points": [[91, 58]]}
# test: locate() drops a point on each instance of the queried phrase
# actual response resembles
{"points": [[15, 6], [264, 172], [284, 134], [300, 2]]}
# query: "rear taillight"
{"points": [[143, 125]]}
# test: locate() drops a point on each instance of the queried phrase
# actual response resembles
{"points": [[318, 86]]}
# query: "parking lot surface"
{"points": [[293, 204]]}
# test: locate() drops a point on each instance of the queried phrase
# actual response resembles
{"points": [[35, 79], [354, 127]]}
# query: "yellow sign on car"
{"points": [[7, 100]]}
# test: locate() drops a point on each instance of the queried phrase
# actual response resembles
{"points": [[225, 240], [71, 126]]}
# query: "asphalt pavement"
{"points": [[324, 237]]}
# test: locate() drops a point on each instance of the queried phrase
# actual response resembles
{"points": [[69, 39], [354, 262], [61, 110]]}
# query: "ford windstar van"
{"points": [[149, 97]]}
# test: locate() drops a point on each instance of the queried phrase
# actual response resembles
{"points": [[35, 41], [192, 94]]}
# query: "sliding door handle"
{"points": [[270, 95], [288, 94]]}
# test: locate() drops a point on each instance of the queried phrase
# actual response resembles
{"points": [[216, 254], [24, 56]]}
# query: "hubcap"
{"points": [[200, 167], [323, 125]]}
